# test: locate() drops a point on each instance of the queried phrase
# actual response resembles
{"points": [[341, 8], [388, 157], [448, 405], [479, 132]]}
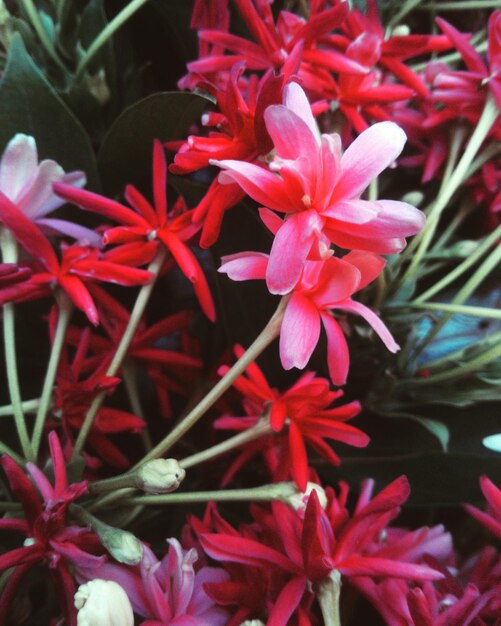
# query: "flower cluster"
{"points": [[334, 134]]}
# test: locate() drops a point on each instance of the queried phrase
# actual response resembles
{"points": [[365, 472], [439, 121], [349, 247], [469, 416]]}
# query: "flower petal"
{"points": [[299, 333], [338, 355]]}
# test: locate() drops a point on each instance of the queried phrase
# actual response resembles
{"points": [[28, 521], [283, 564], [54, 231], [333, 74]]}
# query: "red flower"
{"points": [[48, 537], [299, 417], [491, 519], [78, 266], [147, 223], [305, 549]]}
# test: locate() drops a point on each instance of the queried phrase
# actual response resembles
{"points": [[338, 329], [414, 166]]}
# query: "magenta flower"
{"points": [[168, 592], [323, 286], [28, 184], [48, 537], [319, 190], [491, 518]]}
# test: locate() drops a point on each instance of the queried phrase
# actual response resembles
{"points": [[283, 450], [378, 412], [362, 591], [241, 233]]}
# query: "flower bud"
{"points": [[299, 500], [103, 603], [122, 545], [161, 476], [252, 622]]}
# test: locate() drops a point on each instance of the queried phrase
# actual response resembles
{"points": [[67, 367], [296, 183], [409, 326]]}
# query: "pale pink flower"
{"points": [[323, 286], [319, 188], [27, 183], [168, 592]]}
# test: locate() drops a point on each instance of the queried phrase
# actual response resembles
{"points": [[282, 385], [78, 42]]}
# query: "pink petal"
{"points": [[290, 248], [295, 99], [287, 602], [291, 136], [371, 153], [373, 566], [39, 191], [18, 165], [257, 182], [299, 333], [244, 266], [369, 265], [353, 211], [338, 355], [80, 233], [376, 323]]}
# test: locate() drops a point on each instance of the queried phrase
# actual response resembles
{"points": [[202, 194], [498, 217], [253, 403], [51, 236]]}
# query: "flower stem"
{"points": [[4, 449], [130, 381], [488, 117], [28, 406], [122, 348], [475, 311], [38, 27], [267, 335], [110, 29], [65, 310], [460, 6], [260, 429], [328, 598], [276, 491], [462, 267], [9, 255]]}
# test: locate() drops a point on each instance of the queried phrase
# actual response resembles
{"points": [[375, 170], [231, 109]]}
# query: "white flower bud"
{"points": [[161, 476], [122, 545], [402, 30], [299, 500], [103, 603], [252, 622]]}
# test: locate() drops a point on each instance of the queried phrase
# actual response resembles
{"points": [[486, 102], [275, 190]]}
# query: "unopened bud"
{"points": [[402, 30], [413, 197], [299, 500], [252, 622], [161, 476], [123, 546], [103, 603]]}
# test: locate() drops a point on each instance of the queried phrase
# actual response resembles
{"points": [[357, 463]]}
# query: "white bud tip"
{"points": [[161, 476], [103, 603], [299, 500]]}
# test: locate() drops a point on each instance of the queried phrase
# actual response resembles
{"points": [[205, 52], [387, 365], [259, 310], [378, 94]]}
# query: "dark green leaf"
{"points": [[125, 155], [28, 104]]}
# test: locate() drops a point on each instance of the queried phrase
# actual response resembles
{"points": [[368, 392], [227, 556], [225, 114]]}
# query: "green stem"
{"points": [[476, 311], [9, 255], [276, 491], [466, 208], [36, 22], [459, 6], [28, 406], [4, 449], [130, 381], [407, 7], [490, 263], [457, 139], [267, 335], [110, 29], [329, 591], [65, 307], [488, 117], [122, 348], [462, 267], [260, 429], [127, 481]]}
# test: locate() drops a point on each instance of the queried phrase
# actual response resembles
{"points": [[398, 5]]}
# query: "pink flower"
{"points": [[319, 190], [322, 287], [168, 592], [491, 519], [28, 184]]}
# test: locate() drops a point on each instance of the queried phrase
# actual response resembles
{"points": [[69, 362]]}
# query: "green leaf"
{"points": [[29, 104], [126, 151]]}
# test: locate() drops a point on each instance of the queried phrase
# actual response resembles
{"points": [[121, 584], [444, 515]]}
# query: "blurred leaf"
{"points": [[28, 104], [125, 155], [438, 429]]}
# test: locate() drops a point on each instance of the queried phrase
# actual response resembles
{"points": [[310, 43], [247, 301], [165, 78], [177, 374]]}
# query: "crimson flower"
{"points": [[491, 518], [147, 223], [465, 91], [79, 265], [298, 417], [304, 549], [171, 370], [12, 274], [48, 537], [323, 286], [319, 190]]}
